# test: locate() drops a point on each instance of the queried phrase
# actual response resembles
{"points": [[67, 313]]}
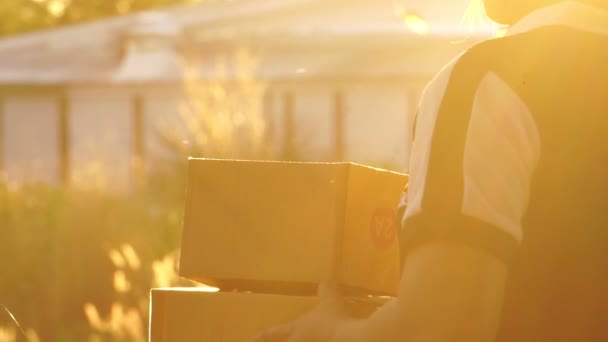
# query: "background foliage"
{"points": [[56, 250], [77, 263], [20, 16]]}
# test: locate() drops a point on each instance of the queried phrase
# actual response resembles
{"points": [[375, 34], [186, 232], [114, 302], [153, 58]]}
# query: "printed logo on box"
{"points": [[383, 227]]}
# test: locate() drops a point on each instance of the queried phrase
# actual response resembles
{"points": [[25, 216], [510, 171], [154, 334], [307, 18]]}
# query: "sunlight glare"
{"points": [[412, 20], [121, 283], [209, 289], [501, 32], [8, 334], [92, 315], [131, 256], [416, 24], [56, 7], [117, 260], [32, 336]]}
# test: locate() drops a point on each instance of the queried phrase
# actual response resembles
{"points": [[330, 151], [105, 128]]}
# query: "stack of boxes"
{"points": [[266, 234]]}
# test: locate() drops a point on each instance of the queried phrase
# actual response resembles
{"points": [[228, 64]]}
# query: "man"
{"points": [[506, 230]]}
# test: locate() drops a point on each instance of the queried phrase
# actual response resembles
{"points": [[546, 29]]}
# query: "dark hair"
{"points": [[510, 11]]}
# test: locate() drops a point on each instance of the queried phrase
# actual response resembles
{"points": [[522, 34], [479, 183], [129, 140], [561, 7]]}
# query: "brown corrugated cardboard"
{"points": [[253, 225], [194, 315]]}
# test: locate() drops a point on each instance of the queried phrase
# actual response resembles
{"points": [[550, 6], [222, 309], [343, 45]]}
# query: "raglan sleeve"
{"points": [[472, 161]]}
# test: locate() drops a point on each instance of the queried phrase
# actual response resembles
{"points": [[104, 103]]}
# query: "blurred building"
{"points": [[343, 77]]}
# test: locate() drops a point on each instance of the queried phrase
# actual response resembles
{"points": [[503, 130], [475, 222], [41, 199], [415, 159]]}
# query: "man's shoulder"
{"points": [[497, 55], [467, 67]]}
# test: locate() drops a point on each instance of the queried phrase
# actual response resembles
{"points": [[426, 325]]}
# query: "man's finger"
{"points": [[276, 334]]}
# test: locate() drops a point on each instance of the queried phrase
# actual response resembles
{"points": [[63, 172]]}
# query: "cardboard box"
{"points": [[281, 226], [193, 315]]}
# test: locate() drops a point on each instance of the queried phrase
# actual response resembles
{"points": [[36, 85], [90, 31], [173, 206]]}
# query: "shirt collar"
{"points": [[568, 13]]}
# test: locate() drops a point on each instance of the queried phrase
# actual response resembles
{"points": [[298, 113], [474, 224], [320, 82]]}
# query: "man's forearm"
{"points": [[448, 293]]}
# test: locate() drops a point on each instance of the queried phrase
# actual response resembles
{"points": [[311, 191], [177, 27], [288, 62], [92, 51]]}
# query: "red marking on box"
{"points": [[383, 227]]}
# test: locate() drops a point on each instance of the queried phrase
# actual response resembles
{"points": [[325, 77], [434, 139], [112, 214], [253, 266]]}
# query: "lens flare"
{"points": [[416, 24]]}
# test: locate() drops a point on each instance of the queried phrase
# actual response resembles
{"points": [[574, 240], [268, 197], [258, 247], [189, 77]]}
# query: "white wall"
{"points": [[377, 124], [101, 140], [161, 107], [378, 121], [377, 129], [314, 121], [31, 142]]}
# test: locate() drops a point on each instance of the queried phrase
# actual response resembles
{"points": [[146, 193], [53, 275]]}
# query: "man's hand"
{"points": [[448, 292], [319, 325]]}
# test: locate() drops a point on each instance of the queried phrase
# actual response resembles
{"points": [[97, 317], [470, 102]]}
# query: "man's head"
{"points": [[509, 11]]}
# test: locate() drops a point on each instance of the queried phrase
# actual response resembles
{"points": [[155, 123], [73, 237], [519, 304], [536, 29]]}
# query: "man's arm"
{"points": [[448, 292]]}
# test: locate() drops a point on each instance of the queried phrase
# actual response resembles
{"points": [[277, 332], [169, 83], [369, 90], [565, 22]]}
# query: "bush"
{"points": [[58, 253]]}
